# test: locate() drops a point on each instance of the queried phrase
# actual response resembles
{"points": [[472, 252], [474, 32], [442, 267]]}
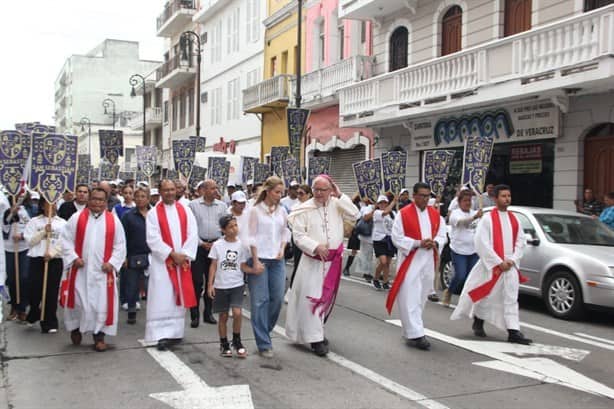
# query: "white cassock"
{"points": [[166, 319], [500, 307], [418, 281], [311, 226], [90, 312]]}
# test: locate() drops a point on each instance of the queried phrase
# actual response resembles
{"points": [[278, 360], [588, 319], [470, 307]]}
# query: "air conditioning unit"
{"points": [[204, 97]]}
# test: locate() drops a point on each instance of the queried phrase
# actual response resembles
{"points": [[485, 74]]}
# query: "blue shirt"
{"points": [[607, 217], [134, 228], [120, 210]]}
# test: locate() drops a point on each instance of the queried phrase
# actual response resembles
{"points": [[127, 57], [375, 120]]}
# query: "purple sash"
{"points": [[330, 286]]}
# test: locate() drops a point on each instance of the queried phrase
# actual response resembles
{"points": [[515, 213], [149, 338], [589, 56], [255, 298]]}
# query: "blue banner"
{"points": [[198, 175], [140, 176], [291, 170], [15, 148], [171, 174], [247, 168], [111, 144], [108, 171], [436, 168], [278, 155], [297, 122], [84, 169], [318, 165], [394, 167], [478, 151], [200, 142], [146, 159], [262, 171], [29, 127], [54, 164], [219, 168], [184, 152], [368, 174]]}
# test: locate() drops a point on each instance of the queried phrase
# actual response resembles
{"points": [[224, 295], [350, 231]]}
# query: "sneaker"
{"points": [[225, 350], [240, 350], [53, 331], [138, 306], [376, 284], [267, 353], [125, 306], [386, 286], [433, 297]]}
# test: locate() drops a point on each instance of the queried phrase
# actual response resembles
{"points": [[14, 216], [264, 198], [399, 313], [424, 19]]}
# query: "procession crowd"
{"points": [[174, 248]]}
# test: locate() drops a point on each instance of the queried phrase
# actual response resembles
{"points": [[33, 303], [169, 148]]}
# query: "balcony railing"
{"points": [[153, 118], [267, 94], [551, 51], [172, 8], [183, 69], [325, 82]]}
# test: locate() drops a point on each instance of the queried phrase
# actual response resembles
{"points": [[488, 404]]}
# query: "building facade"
{"points": [[85, 81], [538, 75]]}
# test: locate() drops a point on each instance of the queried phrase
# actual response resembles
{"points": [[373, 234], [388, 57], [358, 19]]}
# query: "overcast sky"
{"points": [[36, 37]]}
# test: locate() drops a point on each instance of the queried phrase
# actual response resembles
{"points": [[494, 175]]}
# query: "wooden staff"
{"points": [[46, 268], [17, 284]]}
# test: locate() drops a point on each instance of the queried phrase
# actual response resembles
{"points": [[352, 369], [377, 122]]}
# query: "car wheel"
{"points": [[446, 270], [563, 295]]}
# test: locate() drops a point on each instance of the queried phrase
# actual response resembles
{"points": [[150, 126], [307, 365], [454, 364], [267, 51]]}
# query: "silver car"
{"points": [[569, 259]]}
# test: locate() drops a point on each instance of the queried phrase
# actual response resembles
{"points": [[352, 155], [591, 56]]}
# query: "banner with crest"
{"points": [[219, 168], [171, 174], [318, 165], [368, 174], [200, 142], [262, 171], [297, 123], [247, 168], [146, 159], [126, 175], [278, 155], [15, 148], [436, 168], [54, 164], [84, 167], [199, 174], [476, 161], [291, 170], [29, 127], [184, 152], [140, 176], [108, 171], [111, 144], [394, 166]]}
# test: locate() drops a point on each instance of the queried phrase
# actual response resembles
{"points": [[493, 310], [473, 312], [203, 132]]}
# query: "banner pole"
{"points": [[17, 284], [46, 269]]}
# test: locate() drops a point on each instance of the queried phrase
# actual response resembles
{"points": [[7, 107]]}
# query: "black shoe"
{"points": [[377, 285], [420, 343], [319, 348], [367, 277], [131, 318], [433, 297], [517, 337], [225, 350], [346, 272], [478, 327], [386, 286], [209, 319], [163, 344]]}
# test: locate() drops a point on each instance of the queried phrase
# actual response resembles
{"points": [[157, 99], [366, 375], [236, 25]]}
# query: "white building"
{"points": [[85, 81], [545, 69], [232, 61]]}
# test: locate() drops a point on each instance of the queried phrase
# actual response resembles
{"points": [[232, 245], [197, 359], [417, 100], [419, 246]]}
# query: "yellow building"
{"points": [[271, 96]]}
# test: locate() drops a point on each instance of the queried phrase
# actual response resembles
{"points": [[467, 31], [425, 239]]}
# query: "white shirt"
{"points": [[382, 225], [364, 211], [268, 230], [35, 236], [289, 203], [454, 204], [487, 201], [462, 231], [16, 228], [229, 256]]}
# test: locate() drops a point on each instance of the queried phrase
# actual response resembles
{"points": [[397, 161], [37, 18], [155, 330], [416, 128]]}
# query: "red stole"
{"points": [[497, 241], [108, 251], [187, 287], [411, 228]]}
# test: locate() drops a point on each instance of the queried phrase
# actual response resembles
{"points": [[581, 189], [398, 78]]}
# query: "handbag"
{"points": [[138, 262], [364, 228]]}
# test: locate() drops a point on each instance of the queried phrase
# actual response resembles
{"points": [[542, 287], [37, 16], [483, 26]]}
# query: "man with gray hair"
{"points": [[207, 211], [317, 229]]}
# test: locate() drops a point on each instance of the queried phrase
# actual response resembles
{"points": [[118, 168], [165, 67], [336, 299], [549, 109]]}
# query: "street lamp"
{"points": [[106, 103], [86, 121], [299, 40], [134, 80], [185, 42]]}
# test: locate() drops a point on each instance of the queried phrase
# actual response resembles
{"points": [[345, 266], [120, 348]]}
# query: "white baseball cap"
{"points": [[35, 195], [403, 191], [238, 196], [382, 198], [154, 191], [294, 183], [250, 182]]}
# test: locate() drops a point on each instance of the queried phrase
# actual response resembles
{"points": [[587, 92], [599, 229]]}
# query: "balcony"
{"points": [[268, 95], [149, 85], [574, 54], [175, 72], [374, 9], [319, 88], [207, 9], [176, 16], [153, 119]]}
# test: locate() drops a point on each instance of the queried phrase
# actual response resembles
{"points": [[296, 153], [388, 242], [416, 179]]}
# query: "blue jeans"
{"points": [[130, 279], [266, 292], [24, 263], [462, 266]]}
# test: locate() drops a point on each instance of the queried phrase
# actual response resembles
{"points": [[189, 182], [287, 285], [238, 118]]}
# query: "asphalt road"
{"points": [[369, 367]]}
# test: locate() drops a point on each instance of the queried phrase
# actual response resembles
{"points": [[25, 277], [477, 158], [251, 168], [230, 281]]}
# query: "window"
{"points": [[451, 31], [165, 111], [232, 100], [398, 49], [273, 66], [216, 106], [216, 42], [191, 107], [284, 62], [595, 4], [232, 33], [517, 16], [253, 77], [175, 112], [363, 32], [322, 42], [341, 32], [158, 101], [182, 108], [252, 17]]}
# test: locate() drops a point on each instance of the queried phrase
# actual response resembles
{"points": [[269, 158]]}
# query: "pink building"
{"points": [[337, 54]]}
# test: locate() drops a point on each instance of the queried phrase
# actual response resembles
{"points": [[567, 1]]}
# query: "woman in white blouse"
{"points": [[42, 234], [269, 235], [463, 221]]}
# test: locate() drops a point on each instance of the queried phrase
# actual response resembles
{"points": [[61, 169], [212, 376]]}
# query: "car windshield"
{"points": [[568, 229]]}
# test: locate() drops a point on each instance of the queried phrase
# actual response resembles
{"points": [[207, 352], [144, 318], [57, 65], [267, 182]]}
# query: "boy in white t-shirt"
{"points": [[228, 262]]}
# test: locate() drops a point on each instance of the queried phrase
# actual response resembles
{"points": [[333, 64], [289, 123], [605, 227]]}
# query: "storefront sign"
{"points": [[225, 147], [526, 159], [539, 120]]}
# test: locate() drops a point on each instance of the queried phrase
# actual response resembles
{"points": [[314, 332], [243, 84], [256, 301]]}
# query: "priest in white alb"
{"points": [[94, 249], [317, 229], [172, 237], [491, 291]]}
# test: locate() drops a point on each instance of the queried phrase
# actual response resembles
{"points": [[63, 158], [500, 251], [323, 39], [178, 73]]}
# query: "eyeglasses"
{"points": [[321, 190]]}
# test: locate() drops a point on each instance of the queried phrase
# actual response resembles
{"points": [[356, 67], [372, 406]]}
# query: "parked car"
{"points": [[569, 260]]}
